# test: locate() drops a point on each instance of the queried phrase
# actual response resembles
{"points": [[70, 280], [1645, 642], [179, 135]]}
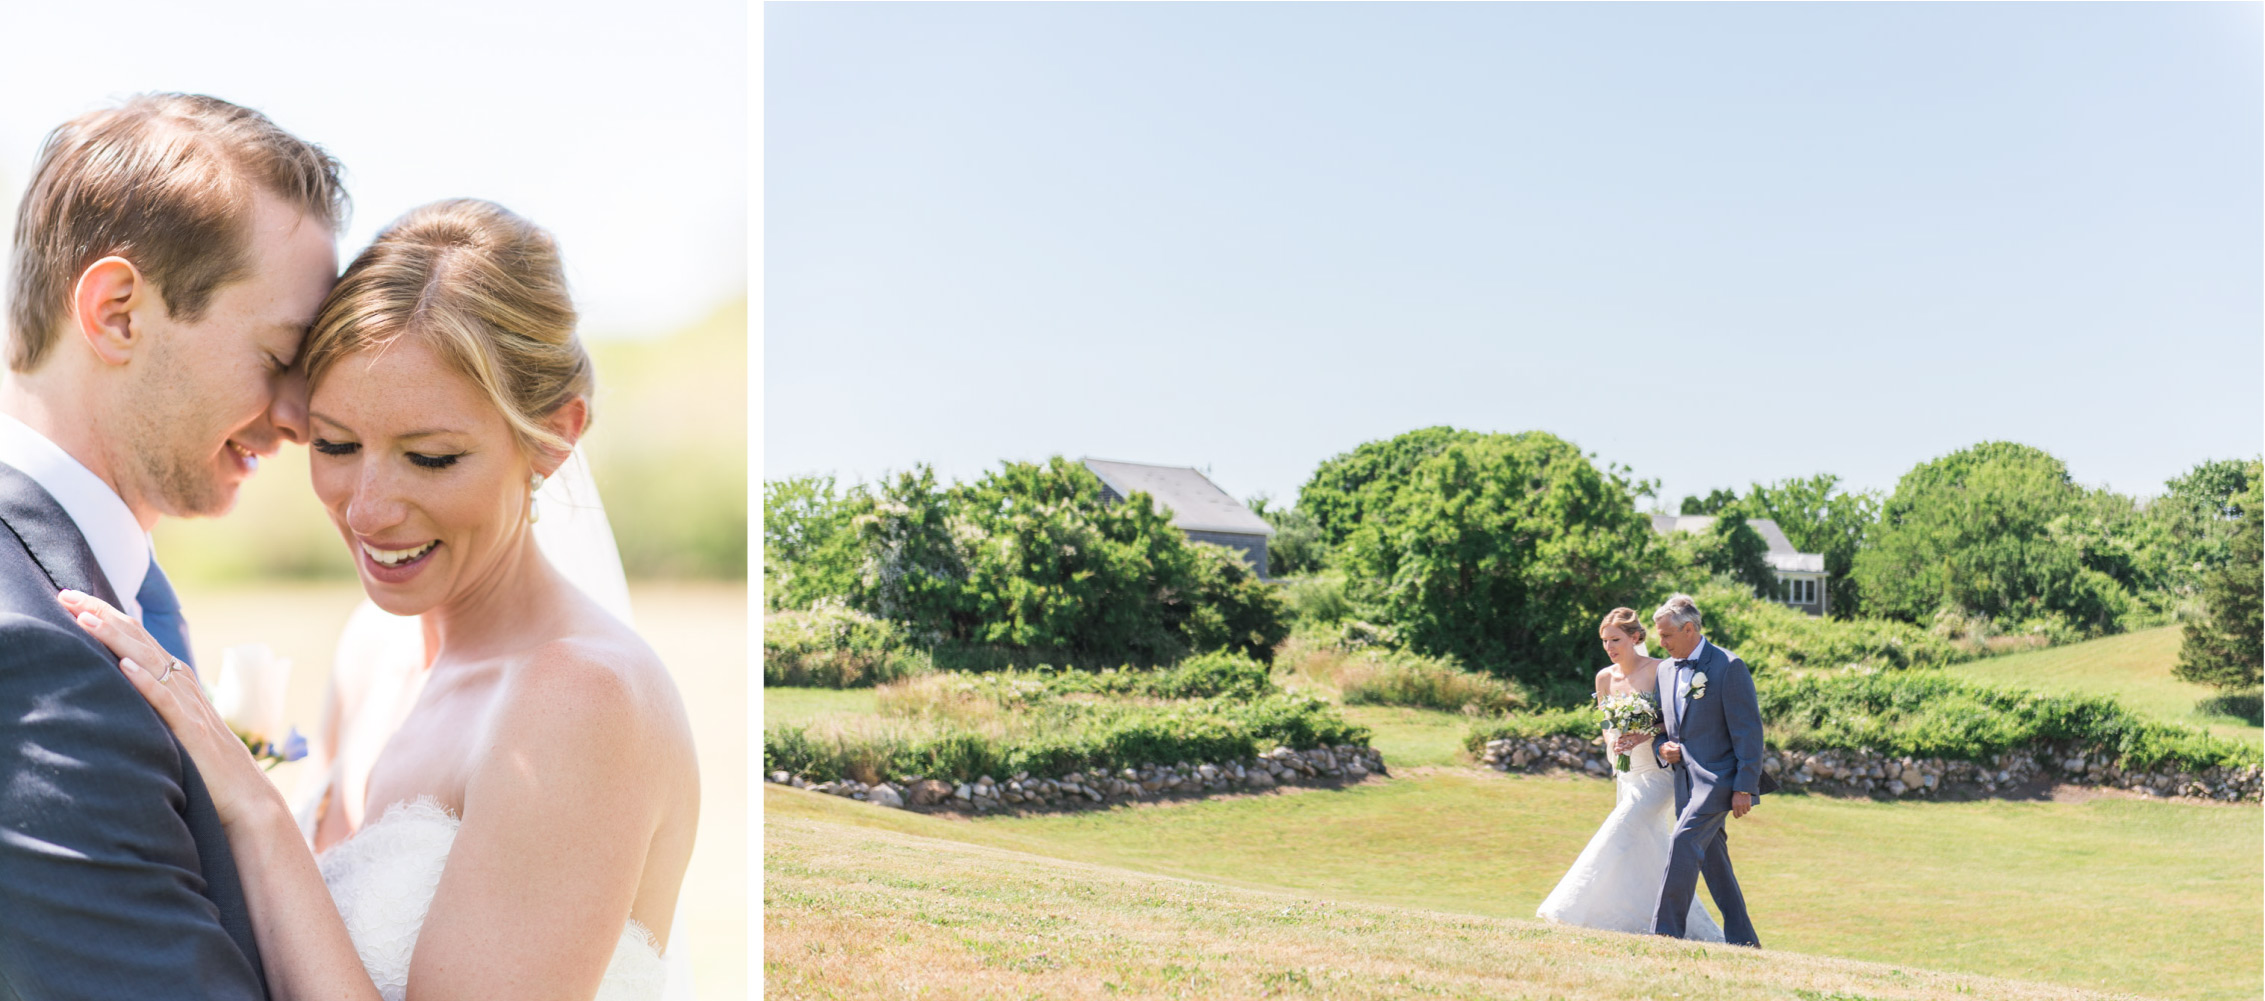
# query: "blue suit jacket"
{"points": [[115, 878], [1721, 731]]}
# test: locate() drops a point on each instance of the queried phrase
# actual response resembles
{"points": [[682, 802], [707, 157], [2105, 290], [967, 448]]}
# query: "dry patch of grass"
{"points": [[858, 912]]}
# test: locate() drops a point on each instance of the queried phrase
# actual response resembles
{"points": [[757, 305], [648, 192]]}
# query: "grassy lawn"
{"points": [[700, 631], [2168, 894], [1413, 738], [884, 907], [2134, 667], [803, 705]]}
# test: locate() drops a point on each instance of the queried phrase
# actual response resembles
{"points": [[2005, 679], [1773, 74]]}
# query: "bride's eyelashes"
{"points": [[434, 461], [423, 460]]}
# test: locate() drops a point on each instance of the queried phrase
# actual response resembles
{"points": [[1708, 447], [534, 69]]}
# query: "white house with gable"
{"points": [[1800, 576]]}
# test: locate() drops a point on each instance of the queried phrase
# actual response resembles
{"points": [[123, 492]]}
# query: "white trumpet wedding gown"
{"points": [[1614, 884]]}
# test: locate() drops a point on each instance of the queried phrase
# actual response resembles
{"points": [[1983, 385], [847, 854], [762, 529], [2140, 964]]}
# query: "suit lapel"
{"points": [[49, 535]]}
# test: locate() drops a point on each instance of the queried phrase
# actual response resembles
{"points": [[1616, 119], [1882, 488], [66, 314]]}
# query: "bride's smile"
{"points": [[423, 476]]}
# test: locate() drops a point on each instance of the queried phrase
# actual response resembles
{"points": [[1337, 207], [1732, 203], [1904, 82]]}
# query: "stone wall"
{"points": [[1865, 773], [1321, 766]]}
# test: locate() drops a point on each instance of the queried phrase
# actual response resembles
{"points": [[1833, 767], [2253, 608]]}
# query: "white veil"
{"points": [[578, 540]]}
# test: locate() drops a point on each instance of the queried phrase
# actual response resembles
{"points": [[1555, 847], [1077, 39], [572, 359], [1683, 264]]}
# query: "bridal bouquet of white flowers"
{"points": [[1636, 712]]}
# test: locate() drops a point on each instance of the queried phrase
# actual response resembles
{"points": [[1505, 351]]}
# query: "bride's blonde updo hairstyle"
{"points": [[485, 289], [1626, 620]]}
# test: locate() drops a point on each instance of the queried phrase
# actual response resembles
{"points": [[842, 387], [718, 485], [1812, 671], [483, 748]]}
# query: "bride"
{"points": [[1614, 884], [536, 804]]}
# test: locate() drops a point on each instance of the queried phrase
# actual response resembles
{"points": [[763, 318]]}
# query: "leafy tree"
{"points": [[910, 557], [1733, 548], [1350, 488], [1975, 530], [1229, 608], [2189, 531], [805, 522], [1502, 549], [1715, 502], [1027, 557], [1299, 546], [2225, 647]]}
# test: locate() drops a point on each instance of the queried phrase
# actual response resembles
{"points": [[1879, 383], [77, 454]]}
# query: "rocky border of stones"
{"points": [[2017, 774], [1322, 766]]}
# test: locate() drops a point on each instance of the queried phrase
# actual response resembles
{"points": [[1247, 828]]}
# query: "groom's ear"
{"points": [[568, 423], [104, 304]]}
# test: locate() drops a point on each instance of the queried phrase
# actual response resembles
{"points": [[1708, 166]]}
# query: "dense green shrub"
{"points": [[1298, 546], [1063, 737], [806, 522], [1320, 599], [834, 647], [1378, 677], [1503, 550], [1227, 606], [1999, 529], [1769, 636], [1028, 564], [1351, 488], [1221, 674], [1934, 714], [1931, 714]]}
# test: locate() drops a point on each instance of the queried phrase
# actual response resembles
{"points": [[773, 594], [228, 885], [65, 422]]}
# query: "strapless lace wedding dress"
{"points": [[383, 878], [1615, 883]]}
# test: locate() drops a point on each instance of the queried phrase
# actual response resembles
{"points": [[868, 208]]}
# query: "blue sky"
{"points": [[1717, 244], [621, 128]]}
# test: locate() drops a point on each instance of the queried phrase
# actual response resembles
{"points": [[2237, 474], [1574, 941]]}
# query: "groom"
{"points": [[1713, 739], [169, 256]]}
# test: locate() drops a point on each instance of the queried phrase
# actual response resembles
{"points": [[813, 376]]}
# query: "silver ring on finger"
{"points": [[170, 667]]}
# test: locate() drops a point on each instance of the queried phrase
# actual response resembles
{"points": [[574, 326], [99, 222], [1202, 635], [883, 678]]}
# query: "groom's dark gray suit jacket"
{"points": [[1721, 731], [115, 878]]}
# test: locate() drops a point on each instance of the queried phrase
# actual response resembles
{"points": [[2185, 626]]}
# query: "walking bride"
{"points": [[1614, 884]]}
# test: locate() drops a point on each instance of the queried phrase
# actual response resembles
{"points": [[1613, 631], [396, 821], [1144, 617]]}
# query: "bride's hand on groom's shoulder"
{"points": [[233, 779]]}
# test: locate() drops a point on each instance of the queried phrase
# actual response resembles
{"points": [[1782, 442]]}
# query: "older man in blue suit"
{"points": [[1713, 738]]}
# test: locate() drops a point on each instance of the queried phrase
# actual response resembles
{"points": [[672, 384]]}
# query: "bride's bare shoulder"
{"points": [[600, 689]]}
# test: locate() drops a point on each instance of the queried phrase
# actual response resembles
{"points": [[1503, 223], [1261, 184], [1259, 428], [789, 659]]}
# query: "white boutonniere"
{"points": [[1698, 686]]}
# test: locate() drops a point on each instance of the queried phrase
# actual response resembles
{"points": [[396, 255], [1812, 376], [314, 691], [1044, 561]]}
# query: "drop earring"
{"points": [[534, 508]]}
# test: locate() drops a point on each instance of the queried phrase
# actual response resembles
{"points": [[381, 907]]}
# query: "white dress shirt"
{"points": [[120, 546]]}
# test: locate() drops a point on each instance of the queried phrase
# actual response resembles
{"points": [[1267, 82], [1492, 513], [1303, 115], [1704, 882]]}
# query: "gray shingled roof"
{"points": [[1195, 503], [1782, 557]]}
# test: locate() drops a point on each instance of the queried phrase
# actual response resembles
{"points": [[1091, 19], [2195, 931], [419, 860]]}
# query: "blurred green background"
{"points": [[668, 447]]}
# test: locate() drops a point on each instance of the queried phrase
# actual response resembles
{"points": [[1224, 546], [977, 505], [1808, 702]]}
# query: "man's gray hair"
{"points": [[1677, 610]]}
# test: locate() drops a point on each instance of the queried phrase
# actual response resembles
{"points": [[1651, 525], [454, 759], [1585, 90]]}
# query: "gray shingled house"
{"points": [[1196, 505], [1800, 576]]}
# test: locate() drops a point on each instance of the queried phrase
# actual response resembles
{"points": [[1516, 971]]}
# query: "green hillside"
{"points": [[2135, 668]]}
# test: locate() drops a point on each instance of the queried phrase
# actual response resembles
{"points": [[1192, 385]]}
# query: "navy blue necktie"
{"points": [[161, 615]]}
